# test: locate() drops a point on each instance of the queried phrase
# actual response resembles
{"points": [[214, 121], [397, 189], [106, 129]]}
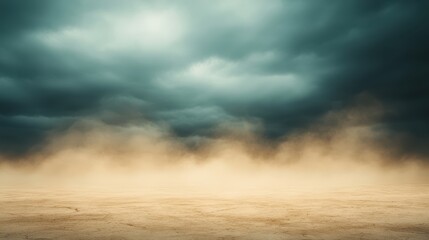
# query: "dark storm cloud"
{"points": [[194, 65]]}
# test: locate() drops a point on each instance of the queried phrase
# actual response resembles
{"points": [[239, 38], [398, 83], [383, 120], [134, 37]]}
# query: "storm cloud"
{"points": [[192, 66]]}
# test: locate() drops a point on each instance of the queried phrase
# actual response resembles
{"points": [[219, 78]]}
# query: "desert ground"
{"points": [[366, 212]]}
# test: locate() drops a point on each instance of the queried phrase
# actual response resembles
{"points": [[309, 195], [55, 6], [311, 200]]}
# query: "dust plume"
{"points": [[346, 147]]}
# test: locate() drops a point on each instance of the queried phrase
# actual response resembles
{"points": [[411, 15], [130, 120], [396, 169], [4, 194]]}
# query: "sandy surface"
{"points": [[385, 212]]}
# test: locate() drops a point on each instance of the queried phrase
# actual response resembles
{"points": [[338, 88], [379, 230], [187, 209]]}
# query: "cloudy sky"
{"points": [[194, 65]]}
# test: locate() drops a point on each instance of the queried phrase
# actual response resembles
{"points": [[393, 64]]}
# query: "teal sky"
{"points": [[193, 65]]}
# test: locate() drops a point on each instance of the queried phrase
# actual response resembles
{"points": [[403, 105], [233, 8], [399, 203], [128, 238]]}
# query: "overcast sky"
{"points": [[192, 65]]}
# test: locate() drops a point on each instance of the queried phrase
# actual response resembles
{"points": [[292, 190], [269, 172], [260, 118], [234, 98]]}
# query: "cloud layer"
{"points": [[194, 66]]}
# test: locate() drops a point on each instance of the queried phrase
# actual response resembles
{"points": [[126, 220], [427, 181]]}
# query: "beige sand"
{"points": [[383, 212]]}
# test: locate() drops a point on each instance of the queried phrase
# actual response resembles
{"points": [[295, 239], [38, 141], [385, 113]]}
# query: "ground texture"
{"points": [[384, 212]]}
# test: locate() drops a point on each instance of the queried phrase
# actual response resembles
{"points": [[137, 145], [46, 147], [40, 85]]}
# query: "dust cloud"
{"points": [[345, 148]]}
